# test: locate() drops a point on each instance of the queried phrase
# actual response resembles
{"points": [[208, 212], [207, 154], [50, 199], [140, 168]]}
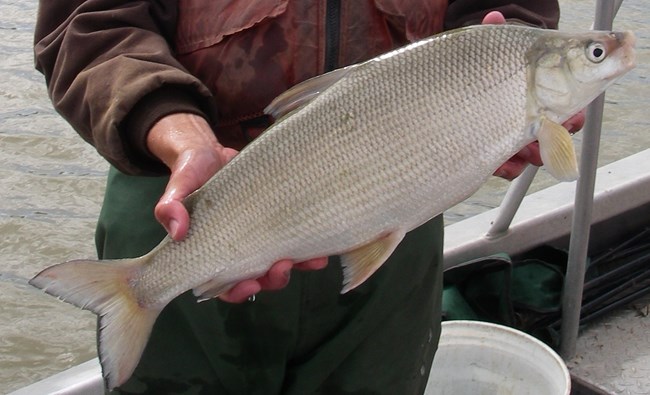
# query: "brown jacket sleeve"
{"points": [[111, 72], [103, 58]]}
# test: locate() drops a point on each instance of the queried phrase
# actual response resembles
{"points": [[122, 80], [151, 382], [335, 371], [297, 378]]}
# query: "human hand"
{"points": [[187, 145], [276, 278], [529, 154]]}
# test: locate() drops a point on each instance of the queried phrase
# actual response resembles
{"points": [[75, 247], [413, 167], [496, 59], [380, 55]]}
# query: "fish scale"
{"points": [[359, 157]]}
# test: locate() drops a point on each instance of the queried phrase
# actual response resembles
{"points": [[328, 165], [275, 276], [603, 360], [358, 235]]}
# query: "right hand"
{"points": [[187, 145]]}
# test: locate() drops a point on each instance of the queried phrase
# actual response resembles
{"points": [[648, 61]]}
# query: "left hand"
{"points": [[188, 146], [529, 154]]}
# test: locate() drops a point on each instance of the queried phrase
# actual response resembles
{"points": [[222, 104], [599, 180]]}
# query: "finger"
{"points": [[170, 211], [228, 154], [494, 18], [312, 264], [192, 170], [576, 122], [173, 216], [530, 154], [277, 277], [511, 169], [241, 292]]}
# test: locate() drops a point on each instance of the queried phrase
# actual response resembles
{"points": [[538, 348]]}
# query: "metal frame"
{"points": [[574, 282]]}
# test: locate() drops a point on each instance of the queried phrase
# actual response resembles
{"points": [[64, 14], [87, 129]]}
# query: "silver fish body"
{"points": [[367, 154]]}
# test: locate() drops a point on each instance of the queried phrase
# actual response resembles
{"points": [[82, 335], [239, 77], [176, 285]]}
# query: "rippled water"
{"points": [[51, 186], [50, 190]]}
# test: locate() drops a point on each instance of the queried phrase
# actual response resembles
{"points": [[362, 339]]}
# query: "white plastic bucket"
{"points": [[480, 358]]}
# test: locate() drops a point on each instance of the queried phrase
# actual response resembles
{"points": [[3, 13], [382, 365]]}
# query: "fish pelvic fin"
{"points": [[104, 287], [360, 263], [557, 151]]}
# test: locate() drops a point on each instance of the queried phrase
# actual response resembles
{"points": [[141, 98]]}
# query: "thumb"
{"points": [[187, 145], [170, 210], [192, 170]]}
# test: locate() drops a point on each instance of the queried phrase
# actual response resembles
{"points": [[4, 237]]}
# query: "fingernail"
{"points": [[573, 128], [570, 127], [501, 173], [287, 275], [173, 228]]}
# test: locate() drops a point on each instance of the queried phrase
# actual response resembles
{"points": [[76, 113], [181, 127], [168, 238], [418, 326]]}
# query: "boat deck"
{"points": [[614, 351]]}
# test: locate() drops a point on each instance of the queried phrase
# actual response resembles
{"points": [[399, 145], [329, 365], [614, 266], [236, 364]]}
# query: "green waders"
{"points": [[306, 339]]}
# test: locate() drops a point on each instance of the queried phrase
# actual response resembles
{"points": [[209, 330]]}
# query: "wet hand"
{"points": [[530, 153], [187, 145]]}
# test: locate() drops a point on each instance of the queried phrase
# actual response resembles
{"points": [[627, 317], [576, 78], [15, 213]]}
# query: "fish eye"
{"points": [[596, 52]]}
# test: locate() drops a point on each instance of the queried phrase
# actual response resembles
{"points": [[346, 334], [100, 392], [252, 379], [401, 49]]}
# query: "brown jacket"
{"points": [[113, 67]]}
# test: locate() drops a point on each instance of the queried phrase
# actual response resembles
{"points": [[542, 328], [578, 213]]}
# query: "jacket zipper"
{"points": [[332, 34]]}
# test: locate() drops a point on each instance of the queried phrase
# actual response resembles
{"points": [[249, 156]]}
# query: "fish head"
{"points": [[567, 71]]}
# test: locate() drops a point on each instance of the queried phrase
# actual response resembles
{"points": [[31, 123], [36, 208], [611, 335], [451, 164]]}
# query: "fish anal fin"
{"points": [[304, 92], [360, 263], [557, 151], [105, 289]]}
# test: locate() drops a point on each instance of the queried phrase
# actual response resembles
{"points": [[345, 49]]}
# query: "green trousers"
{"points": [[306, 339]]}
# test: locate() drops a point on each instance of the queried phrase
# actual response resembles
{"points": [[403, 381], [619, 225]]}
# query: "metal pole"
{"points": [[511, 202], [579, 243]]}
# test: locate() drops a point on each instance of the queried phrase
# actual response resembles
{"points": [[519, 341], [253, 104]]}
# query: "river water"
{"points": [[51, 188]]}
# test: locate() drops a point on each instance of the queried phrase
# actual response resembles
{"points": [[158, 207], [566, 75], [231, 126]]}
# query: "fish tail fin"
{"points": [[104, 287]]}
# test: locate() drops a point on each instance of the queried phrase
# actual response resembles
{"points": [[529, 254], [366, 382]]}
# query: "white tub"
{"points": [[479, 358]]}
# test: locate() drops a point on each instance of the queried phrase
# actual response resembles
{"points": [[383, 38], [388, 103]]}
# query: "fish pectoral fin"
{"points": [[211, 289], [362, 262], [557, 151], [304, 92]]}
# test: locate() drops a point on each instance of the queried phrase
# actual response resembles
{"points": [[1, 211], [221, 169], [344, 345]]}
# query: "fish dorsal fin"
{"points": [[362, 262], [557, 151], [304, 92]]}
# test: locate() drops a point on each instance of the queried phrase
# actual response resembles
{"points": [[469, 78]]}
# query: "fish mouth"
{"points": [[626, 42]]}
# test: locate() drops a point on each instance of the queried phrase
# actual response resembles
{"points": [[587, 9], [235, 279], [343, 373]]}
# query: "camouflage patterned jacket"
{"points": [[114, 67]]}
